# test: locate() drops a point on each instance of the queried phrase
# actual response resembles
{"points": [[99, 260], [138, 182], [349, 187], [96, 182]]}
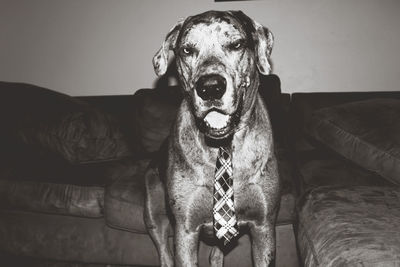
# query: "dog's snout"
{"points": [[211, 87]]}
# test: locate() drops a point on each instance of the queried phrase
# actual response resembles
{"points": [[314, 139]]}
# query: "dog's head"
{"points": [[217, 56]]}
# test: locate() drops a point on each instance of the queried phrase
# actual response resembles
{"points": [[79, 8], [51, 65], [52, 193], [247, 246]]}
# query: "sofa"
{"points": [[346, 151], [71, 176]]}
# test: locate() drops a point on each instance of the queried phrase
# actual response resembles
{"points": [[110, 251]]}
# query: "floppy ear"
{"points": [[160, 59], [264, 41], [262, 38]]}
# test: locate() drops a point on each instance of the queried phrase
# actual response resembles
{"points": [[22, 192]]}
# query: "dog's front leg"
{"points": [[155, 216], [263, 244], [186, 245]]}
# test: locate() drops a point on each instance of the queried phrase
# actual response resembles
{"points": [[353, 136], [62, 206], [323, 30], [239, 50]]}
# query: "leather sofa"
{"points": [[71, 174]]}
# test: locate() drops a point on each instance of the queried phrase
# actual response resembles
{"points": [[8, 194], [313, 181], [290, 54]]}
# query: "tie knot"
{"points": [[224, 160], [224, 153]]}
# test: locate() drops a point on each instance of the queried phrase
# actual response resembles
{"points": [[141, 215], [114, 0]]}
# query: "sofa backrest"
{"points": [[304, 104], [149, 114]]}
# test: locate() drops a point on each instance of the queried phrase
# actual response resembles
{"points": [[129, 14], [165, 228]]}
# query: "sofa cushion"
{"points": [[124, 198], [58, 187], [350, 226], [155, 112], [79, 242], [44, 121], [76, 190], [365, 132], [63, 199], [319, 167]]}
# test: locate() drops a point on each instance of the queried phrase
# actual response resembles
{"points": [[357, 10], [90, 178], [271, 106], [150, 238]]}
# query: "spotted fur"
{"points": [[237, 48]]}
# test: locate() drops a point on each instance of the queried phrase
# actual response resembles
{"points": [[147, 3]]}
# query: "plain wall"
{"points": [[97, 47]]}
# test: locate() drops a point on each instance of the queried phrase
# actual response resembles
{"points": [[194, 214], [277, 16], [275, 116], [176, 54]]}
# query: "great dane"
{"points": [[219, 56]]}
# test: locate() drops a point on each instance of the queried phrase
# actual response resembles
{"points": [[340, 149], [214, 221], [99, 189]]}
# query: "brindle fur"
{"points": [[182, 185]]}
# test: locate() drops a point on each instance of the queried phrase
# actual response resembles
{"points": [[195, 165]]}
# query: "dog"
{"points": [[219, 57]]}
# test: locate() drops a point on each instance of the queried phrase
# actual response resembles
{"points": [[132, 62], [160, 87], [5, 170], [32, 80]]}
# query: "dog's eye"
{"points": [[236, 45], [187, 51]]}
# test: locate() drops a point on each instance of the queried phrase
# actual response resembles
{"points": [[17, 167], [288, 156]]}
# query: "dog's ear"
{"points": [[262, 38], [160, 59], [264, 41]]}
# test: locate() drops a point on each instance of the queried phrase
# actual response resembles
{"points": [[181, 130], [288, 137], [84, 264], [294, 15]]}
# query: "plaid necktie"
{"points": [[225, 223]]}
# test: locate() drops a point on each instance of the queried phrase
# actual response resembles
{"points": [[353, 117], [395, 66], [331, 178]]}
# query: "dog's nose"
{"points": [[211, 87]]}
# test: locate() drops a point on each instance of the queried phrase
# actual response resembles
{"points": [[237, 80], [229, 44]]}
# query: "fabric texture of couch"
{"points": [[350, 226], [348, 209], [365, 132]]}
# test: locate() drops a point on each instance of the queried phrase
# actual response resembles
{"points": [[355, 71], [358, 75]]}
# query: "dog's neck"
{"points": [[225, 142], [199, 150]]}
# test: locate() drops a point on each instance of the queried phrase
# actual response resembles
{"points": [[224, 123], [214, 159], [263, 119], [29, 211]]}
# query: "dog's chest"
{"points": [[193, 195], [192, 176]]}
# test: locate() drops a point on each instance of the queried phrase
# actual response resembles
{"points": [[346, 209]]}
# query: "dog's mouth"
{"points": [[216, 124], [216, 120]]}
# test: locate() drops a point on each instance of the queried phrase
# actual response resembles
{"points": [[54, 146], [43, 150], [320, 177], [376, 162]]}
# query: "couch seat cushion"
{"points": [[44, 121], [365, 132], [57, 188], [88, 242], [124, 198], [350, 226], [65, 199]]}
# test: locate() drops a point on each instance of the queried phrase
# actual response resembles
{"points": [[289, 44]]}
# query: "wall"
{"points": [[96, 47]]}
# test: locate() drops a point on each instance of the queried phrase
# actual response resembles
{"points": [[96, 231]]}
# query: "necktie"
{"points": [[225, 222]]}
